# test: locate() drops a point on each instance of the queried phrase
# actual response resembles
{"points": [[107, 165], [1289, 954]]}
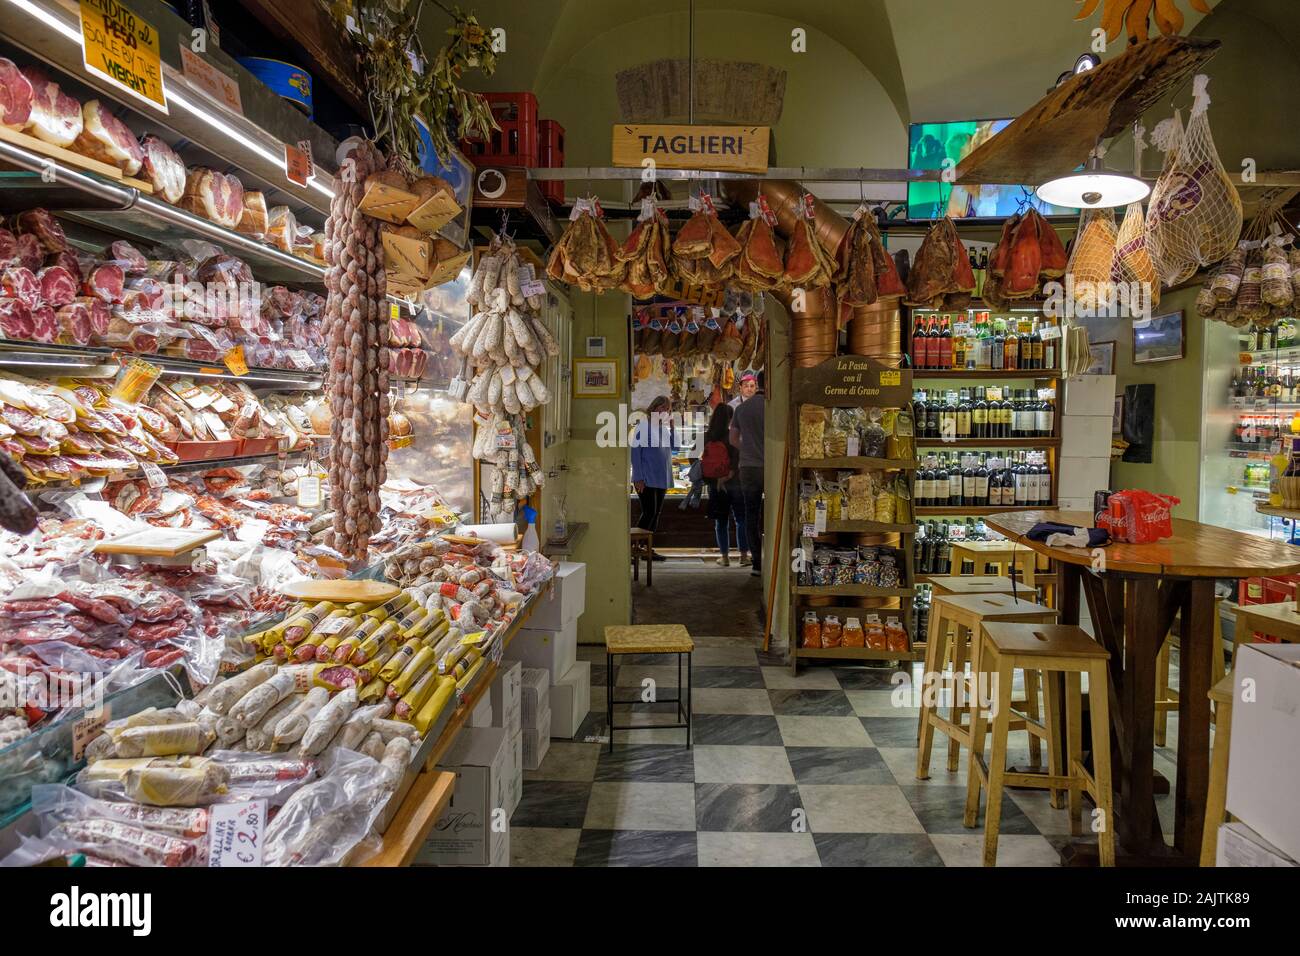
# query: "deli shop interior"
{"points": [[384, 434]]}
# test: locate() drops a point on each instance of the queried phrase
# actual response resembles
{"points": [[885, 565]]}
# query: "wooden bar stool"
{"points": [[964, 614], [643, 545], [649, 639], [1217, 799], [1046, 648], [972, 584]]}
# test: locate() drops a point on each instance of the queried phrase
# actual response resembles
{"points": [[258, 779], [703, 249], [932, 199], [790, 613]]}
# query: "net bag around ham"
{"points": [[1092, 256], [1194, 215], [1132, 264]]}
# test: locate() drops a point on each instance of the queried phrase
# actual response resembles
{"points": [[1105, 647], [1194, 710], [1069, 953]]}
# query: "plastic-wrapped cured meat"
{"points": [[15, 96], [55, 116], [19, 283], [164, 170], [74, 324], [105, 137], [15, 320], [105, 281], [98, 313], [214, 196], [143, 294], [45, 325], [27, 252], [131, 259], [226, 269], [58, 286], [253, 219], [47, 230]]}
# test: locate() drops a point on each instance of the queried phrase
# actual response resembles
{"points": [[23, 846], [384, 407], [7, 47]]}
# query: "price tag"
{"points": [[394, 310], [1049, 332], [297, 165], [220, 86], [309, 491], [153, 474], [333, 625], [809, 531], [122, 47], [305, 146], [301, 360], [533, 287], [894, 377], [405, 441], [647, 209], [221, 404], [87, 729], [819, 518], [235, 834], [505, 436]]}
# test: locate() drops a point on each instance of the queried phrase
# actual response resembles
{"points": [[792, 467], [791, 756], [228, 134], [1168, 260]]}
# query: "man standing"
{"points": [[652, 457], [747, 435], [748, 386]]}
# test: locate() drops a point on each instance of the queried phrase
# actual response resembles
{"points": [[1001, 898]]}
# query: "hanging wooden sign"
{"points": [[740, 149], [853, 380]]}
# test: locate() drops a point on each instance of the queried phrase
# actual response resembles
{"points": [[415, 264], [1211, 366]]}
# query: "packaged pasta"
{"points": [[812, 429], [810, 632], [853, 635]]}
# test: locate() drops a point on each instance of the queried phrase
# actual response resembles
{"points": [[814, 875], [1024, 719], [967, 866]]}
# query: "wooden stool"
{"points": [[972, 584], [649, 639], [1274, 620], [965, 614], [1007, 555], [1217, 799], [1167, 696], [1046, 648], [643, 544]]}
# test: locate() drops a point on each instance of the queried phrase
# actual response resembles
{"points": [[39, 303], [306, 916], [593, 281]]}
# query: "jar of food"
{"points": [[810, 634], [895, 636], [832, 631], [875, 633], [853, 635]]}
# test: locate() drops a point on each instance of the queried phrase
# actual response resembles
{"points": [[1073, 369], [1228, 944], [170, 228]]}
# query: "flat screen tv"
{"points": [[929, 144]]}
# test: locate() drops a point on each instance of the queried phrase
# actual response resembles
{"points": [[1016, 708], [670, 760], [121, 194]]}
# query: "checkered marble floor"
{"points": [[814, 770]]}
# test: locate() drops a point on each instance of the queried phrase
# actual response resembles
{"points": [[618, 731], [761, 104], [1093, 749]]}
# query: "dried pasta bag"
{"points": [[1092, 256], [835, 441], [858, 490], [1132, 263], [812, 430], [1194, 216]]}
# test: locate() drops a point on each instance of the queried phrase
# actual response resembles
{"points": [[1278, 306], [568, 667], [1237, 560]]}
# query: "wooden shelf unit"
{"points": [[835, 384]]}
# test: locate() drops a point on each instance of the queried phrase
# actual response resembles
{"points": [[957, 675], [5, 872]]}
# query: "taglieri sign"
{"points": [[740, 149], [123, 48]]}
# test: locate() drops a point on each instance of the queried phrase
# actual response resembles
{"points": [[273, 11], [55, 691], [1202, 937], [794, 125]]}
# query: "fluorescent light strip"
{"points": [[49, 19]]}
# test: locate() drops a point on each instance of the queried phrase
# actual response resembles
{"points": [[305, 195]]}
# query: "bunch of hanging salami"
{"points": [[1257, 284], [356, 324]]}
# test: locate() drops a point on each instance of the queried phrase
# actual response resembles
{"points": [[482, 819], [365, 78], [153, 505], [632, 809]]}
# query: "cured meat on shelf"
{"points": [[74, 324], [15, 319], [45, 325], [47, 230], [253, 219], [105, 281], [127, 256], [27, 252], [58, 286], [19, 283], [213, 195], [15, 96], [162, 168], [55, 116], [66, 259], [105, 137]]}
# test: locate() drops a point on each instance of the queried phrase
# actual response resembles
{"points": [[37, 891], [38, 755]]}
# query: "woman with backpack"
{"points": [[719, 466]]}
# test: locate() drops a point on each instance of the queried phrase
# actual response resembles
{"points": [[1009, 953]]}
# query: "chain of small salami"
{"points": [[356, 323]]}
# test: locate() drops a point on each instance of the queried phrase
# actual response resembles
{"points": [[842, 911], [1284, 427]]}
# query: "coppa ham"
{"points": [[214, 196], [15, 319], [8, 248], [58, 286], [100, 316], [45, 325], [41, 224], [74, 324], [27, 252], [21, 284], [105, 137], [66, 259], [163, 168], [15, 96], [127, 256], [55, 116], [105, 281], [143, 294]]}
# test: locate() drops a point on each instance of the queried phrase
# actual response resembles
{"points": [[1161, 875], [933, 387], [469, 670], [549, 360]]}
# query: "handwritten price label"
{"points": [[236, 836]]}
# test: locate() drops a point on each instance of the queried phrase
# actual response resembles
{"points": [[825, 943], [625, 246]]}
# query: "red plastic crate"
{"points": [[550, 155], [515, 143]]}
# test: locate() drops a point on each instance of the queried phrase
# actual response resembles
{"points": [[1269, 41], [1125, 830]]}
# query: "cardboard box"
{"points": [[1089, 395], [1080, 477], [505, 693], [471, 832], [1239, 845], [537, 742], [567, 601], [571, 700], [516, 788], [481, 716], [1085, 436], [553, 651], [1081, 503], [534, 696], [1262, 782]]}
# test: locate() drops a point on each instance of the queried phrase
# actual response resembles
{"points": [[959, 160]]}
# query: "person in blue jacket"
{"points": [[652, 462]]}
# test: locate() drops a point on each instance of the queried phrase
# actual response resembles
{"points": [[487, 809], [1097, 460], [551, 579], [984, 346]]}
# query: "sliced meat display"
{"points": [[74, 324], [45, 325], [253, 221], [100, 316], [21, 283], [47, 230], [164, 170], [58, 286], [105, 137], [127, 256], [143, 294], [67, 259], [214, 196], [15, 96], [55, 116], [105, 281], [15, 319]]}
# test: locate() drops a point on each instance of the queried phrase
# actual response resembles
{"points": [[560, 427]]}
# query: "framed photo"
{"points": [[1117, 421], [1101, 358], [1159, 339], [596, 378]]}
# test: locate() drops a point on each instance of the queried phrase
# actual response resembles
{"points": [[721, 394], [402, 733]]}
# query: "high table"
{"points": [[1133, 592]]}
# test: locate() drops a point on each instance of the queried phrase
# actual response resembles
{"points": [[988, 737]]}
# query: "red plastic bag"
{"points": [[1139, 517]]}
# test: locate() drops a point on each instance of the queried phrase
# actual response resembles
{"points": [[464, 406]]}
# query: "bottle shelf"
{"points": [[1023, 374], [990, 443]]}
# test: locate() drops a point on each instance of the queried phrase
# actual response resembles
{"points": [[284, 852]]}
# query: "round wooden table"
{"points": [[1133, 593]]}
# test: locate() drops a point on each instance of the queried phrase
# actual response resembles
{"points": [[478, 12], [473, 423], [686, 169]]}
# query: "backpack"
{"points": [[716, 460]]}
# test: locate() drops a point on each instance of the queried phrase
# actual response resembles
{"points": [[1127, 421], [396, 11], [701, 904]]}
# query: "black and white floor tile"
{"points": [[817, 769]]}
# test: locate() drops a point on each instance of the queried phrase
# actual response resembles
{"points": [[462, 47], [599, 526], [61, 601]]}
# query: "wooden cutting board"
{"points": [[341, 592], [165, 542]]}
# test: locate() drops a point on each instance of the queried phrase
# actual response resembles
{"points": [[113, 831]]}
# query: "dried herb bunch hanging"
{"points": [[402, 83]]}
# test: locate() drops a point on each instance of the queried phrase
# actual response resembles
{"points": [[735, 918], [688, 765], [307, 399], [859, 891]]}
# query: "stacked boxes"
{"points": [[475, 829], [549, 644], [535, 712], [1086, 416], [505, 700]]}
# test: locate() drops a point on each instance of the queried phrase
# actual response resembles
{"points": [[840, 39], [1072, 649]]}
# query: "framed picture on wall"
{"points": [[1101, 358], [1159, 339], [1117, 419], [596, 378]]}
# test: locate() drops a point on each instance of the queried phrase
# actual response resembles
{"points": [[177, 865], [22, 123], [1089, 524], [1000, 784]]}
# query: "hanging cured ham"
{"points": [[861, 263], [807, 266], [941, 276], [646, 256], [759, 267], [586, 255], [704, 252]]}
